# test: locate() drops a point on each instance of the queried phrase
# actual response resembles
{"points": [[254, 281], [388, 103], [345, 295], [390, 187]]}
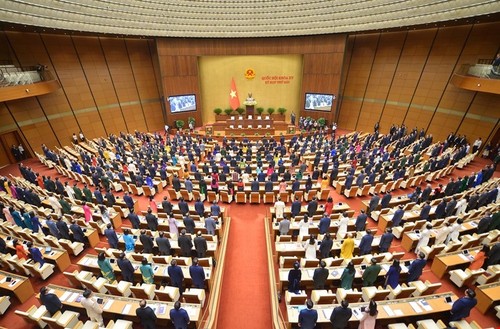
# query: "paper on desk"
{"points": [[311, 273], [191, 311], [464, 257], [357, 312], [385, 267], [415, 307], [73, 297], [388, 310], [65, 296], [108, 304], [327, 313], [3, 280], [425, 305], [126, 309], [398, 312]]}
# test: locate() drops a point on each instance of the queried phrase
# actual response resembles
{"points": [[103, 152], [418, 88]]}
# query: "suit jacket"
{"points": [[127, 269], [295, 208], [63, 229], [200, 244], [199, 207], [185, 244], [385, 241], [254, 187], [398, 216], [319, 277], [461, 308], [189, 224], [340, 317], [147, 317], [370, 275], [325, 247], [152, 222], [308, 318], [112, 237], [163, 245], [365, 246], [176, 276], [147, 243], [415, 269], [197, 274], [51, 302], [179, 318]]}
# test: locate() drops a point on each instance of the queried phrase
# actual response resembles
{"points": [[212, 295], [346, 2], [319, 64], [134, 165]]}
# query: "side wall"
{"points": [[108, 85], [404, 77]]}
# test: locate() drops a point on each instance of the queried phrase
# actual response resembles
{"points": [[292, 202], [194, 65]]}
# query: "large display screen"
{"points": [[182, 103], [319, 102]]}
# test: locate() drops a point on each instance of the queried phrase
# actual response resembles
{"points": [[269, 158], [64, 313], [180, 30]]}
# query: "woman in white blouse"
{"points": [[424, 238], [343, 221], [310, 247]]}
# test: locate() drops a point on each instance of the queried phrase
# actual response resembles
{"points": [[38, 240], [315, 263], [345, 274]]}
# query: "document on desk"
{"points": [[108, 304], [388, 310], [464, 257], [191, 311], [126, 309], [311, 273], [398, 313], [415, 307], [73, 297], [425, 305], [357, 312], [65, 296]]}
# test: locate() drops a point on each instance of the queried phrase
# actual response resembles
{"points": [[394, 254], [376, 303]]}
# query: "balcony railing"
{"points": [[11, 75]]}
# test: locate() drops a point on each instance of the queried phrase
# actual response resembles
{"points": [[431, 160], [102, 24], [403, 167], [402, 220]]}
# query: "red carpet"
{"points": [[245, 289]]}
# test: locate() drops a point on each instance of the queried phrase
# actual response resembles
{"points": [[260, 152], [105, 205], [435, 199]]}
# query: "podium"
{"points": [[250, 109]]}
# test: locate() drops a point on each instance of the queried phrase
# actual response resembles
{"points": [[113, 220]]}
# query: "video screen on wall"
{"points": [[319, 102], [182, 103]]}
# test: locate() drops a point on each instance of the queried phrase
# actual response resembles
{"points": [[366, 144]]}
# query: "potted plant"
{"points": [[228, 111], [281, 110], [260, 110], [322, 122], [179, 124], [191, 122], [270, 110], [240, 110], [218, 111]]}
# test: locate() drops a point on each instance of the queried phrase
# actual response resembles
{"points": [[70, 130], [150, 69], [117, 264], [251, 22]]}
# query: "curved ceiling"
{"points": [[237, 18]]}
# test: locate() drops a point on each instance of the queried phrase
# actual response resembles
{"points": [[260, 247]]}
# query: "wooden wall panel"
{"points": [[72, 77], [349, 114], [120, 69], [30, 49], [100, 83], [33, 123]]}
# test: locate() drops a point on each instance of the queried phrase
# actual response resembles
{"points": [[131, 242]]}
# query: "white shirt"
{"points": [[342, 227], [279, 208]]}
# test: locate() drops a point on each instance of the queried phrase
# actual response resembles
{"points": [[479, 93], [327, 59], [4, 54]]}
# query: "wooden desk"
{"points": [[442, 264], [20, 286], [58, 257], [124, 307], [389, 311], [488, 296], [339, 207], [334, 275], [385, 220], [395, 201], [89, 263]]}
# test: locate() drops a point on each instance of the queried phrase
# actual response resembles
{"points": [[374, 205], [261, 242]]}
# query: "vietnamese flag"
{"points": [[234, 101]]}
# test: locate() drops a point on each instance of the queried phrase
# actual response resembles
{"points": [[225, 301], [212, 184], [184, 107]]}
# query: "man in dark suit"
{"points": [[386, 199], [307, 316], [324, 223], [197, 274], [461, 307], [88, 194], [254, 187], [54, 231], [325, 246], [63, 229], [361, 221], [147, 315], [425, 211], [397, 218], [50, 301], [189, 224], [111, 235], [200, 244], [340, 315], [163, 244], [152, 220], [199, 207], [98, 196], [312, 206], [365, 245], [176, 275], [295, 209], [110, 199], [386, 240], [183, 206], [128, 201], [320, 275], [416, 268], [440, 209], [134, 219], [179, 316], [166, 205], [147, 242], [348, 181], [78, 233], [185, 244], [126, 268], [484, 223], [372, 206], [450, 207]]}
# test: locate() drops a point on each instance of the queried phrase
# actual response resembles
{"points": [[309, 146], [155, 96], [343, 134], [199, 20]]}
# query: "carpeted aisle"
{"points": [[245, 301]]}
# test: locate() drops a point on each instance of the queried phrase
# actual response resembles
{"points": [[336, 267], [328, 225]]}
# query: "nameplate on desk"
{"points": [[65, 296], [425, 305], [357, 312], [327, 313], [335, 273], [388, 310], [161, 309], [191, 311], [415, 307], [108, 304], [73, 298], [126, 309]]}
